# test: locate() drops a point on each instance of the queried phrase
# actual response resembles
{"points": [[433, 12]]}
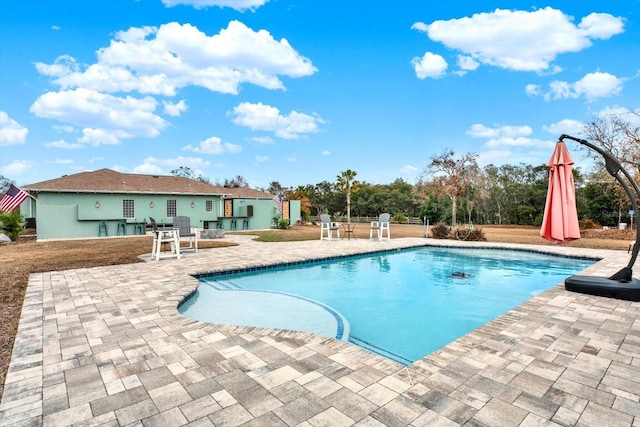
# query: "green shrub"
{"points": [[283, 224], [12, 224], [400, 218]]}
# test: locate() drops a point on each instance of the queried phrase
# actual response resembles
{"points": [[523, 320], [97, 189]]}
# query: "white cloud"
{"points": [[213, 145], [326, 152], [520, 40], [520, 141], [503, 136], [408, 169], [598, 85], [262, 140], [64, 161], [154, 165], [495, 157], [292, 159], [467, 63], [61, 143], [430, 65], [532, 90], [11, 132], [267, 118], [510, 145], [98, 137], [17, 167], [601, 25], [262, 159], [174, 109], [63, 128], [479, 130], [147, 169], [592, 86], [106, 118], [161, 60], [568, 126], [239, 5]]}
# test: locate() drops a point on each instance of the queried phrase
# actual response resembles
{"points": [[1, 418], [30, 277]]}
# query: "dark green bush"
{"points": [[400, 218], [283, 224]]}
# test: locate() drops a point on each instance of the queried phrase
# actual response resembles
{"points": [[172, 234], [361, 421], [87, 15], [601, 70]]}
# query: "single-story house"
{"points": [[110, 203]]}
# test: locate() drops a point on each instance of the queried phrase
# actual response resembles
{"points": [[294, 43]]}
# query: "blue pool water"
{"points": [[402, 304]]}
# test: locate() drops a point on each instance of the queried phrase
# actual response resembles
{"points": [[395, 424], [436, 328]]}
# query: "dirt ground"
{"points": [[18, 260]]}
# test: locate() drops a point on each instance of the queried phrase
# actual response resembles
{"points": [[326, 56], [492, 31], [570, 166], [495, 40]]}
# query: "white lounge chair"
{"points": [[328, 226]]}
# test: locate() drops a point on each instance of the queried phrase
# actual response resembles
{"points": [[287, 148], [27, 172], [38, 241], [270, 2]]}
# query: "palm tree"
{"points": [[347, 183]]}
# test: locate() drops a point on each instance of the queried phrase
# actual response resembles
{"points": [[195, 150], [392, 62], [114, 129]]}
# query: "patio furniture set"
{"points": [[327, 228]]}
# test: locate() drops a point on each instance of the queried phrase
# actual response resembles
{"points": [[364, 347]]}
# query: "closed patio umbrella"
{"points": [[560, 220]]}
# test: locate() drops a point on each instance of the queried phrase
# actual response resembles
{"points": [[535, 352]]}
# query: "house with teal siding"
{"points": [[106, 203]]}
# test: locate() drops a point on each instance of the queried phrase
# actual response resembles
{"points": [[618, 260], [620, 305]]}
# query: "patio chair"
{"points": [[328, 226], [183, 224], [380, 226], [164, 235]]}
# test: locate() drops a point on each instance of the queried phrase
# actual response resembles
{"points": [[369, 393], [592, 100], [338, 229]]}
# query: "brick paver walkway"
{"points": [[106, 346]]}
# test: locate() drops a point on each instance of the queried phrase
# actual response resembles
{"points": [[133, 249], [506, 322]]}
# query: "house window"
{"points": [[172, 210], [128, 208], [208, 205]]}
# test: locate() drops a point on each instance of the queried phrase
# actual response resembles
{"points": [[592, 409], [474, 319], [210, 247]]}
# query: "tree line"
{"points": [[454, 186]]}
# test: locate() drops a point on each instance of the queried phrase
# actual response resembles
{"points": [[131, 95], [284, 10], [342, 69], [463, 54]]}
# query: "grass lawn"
{"points": [[18, 260]]}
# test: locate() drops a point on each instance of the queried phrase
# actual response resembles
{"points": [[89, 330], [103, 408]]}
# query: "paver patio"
{"points": [[106, 346]]}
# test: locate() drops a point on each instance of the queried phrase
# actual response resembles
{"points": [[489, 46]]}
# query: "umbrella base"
{"points": [[604, 287]]}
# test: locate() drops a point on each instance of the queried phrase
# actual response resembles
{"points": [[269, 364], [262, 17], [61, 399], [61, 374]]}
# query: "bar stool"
{"points": [[102, 228], [137, 228], [245, 224], [234, 224], [122, 226], [219, 225]]}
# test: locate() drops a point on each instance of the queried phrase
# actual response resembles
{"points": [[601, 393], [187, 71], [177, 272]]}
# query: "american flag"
{"points": [[12, 199], [278, 199]]}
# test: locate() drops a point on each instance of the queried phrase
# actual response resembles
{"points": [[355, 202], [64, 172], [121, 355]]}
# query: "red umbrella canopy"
{"points": [[560, 221]]}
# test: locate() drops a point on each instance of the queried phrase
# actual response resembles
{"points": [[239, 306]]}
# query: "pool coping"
{"points": [[103, 328]]}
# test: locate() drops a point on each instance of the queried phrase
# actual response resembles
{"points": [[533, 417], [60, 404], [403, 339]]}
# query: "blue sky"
{"points": [[297, 91]]}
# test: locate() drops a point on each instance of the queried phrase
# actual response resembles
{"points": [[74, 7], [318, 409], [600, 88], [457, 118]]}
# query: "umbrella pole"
{"points": [[614, 168]]}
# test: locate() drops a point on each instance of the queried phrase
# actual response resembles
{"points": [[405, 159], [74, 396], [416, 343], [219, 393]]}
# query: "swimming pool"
{"points": [[401, 304]]}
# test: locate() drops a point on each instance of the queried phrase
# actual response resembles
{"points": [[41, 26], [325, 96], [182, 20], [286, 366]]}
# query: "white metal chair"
{"points": [[328, 226], [183, 224], [380, 226]]}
